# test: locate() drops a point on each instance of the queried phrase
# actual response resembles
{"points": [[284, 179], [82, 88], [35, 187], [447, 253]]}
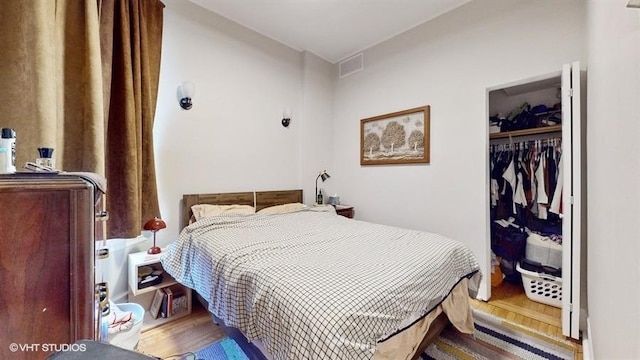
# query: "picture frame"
{"points": [[156, 303], [400, 137]]}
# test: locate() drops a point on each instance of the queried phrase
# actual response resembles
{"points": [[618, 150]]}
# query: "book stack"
{"points": [[168, 302]]}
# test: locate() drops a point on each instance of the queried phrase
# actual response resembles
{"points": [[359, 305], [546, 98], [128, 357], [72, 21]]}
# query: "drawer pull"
{"points": [[103, 253], [102, 215]]}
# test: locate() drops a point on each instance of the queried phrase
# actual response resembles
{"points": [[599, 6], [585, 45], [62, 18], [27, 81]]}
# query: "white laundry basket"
{"points": [[128, 339], [543, 288]]}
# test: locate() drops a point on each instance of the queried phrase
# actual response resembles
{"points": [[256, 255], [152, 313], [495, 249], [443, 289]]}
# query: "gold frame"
{"points": [[377, 146]]}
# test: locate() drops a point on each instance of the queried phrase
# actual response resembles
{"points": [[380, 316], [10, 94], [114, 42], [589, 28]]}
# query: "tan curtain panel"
{"points": [[51, 79], [131, 33], [81, 76]]}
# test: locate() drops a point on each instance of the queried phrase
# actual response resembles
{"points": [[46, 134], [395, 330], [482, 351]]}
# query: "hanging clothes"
{"points": [[502, 190], [519, 196], [556, 202], [510, 176], [526, 181], [542, 199]]}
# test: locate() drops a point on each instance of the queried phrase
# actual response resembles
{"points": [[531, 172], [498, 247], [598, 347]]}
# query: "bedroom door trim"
{"points": [[572, 227], [484, 293]]}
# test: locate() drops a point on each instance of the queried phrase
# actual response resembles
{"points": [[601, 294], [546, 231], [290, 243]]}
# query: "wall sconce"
{"points": [[286, 117], [324, 176], [185, 92]]}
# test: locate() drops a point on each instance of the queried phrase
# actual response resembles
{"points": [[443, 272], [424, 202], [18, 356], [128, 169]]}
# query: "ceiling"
{"points": [[331, 29]]}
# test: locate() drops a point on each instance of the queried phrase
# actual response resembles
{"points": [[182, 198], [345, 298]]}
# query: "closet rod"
{"points": [[551, 142]]}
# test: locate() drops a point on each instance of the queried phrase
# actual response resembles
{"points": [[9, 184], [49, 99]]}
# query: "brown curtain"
{"points": [[82, 77], [131, 37], [51, 81]]}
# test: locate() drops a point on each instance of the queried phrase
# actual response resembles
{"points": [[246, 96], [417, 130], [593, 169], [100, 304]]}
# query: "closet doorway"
{"points": [[535, 207]]}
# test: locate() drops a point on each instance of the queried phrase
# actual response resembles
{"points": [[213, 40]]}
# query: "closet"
{"points": [[535, 187]]}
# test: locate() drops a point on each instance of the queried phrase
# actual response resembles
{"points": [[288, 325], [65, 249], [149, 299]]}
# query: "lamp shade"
{"points": [[188, 89], [324, 176], [155, 224]]}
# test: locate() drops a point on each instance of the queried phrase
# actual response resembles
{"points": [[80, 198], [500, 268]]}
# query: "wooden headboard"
{"points": [[258, 199]]}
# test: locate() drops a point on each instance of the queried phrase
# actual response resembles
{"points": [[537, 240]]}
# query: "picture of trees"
{"points": [[396, 138]]}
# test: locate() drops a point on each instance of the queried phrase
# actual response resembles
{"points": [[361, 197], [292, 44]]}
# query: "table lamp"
{"points": [[324, 176], [154, 225]]}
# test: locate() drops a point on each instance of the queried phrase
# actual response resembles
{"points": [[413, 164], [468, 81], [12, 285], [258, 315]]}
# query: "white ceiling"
{"points": [[331, 29]]}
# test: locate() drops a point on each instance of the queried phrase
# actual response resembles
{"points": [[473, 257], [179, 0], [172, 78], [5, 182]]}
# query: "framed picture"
{"points": [[398, 138]]}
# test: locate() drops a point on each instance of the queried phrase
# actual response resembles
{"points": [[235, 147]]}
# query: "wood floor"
{"points": [[195, 331], [178, 337], [509, 301]]}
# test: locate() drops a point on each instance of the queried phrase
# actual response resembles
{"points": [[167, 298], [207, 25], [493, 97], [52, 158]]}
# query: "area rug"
{"points": [[496, 338], [225, 349]]}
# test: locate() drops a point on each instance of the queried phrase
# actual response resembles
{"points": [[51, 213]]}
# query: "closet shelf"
{"points": [[533, 131]]}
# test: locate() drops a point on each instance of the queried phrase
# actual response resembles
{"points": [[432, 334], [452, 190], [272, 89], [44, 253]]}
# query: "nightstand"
{"points": [[143, 293], [345, 210]]}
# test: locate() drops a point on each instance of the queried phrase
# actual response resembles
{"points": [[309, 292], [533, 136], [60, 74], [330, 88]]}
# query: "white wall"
{"points": [[113, 270], [447, 63], [613, 130], [316, 138], [232, 138], [244, 81]]}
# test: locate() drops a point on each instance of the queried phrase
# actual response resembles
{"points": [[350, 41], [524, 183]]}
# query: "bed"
{"points": [[302, 282]]}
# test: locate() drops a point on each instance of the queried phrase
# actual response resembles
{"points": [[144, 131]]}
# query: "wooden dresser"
{"points": [[47, 234]]}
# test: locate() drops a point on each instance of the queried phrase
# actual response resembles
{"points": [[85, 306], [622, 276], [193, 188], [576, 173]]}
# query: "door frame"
{"points": [[573, 198], [574, 201], [484, 292]]}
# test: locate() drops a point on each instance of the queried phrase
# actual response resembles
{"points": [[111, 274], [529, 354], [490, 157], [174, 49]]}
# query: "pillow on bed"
{"points": [[206, 210], [283, 209]]}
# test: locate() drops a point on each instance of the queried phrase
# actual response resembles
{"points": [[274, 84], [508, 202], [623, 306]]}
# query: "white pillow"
{"points": [[283, 209], [206, 210]]}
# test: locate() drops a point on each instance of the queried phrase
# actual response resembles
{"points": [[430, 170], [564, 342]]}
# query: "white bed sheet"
{"points": [[312, 284]]}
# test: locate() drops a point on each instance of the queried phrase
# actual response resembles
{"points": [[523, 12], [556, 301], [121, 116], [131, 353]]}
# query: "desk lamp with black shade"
{"points": [[324, 176]]}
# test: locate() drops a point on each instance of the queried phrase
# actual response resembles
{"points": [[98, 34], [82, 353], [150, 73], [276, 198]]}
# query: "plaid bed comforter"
{"points": [[313, 284]]}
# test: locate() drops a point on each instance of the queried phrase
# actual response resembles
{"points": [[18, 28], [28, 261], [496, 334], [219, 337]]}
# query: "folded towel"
{"points": [[99, 182], [118, 320]]}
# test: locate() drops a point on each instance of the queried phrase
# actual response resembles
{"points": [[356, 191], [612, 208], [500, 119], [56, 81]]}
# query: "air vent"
{"points": [[351, 65]]}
